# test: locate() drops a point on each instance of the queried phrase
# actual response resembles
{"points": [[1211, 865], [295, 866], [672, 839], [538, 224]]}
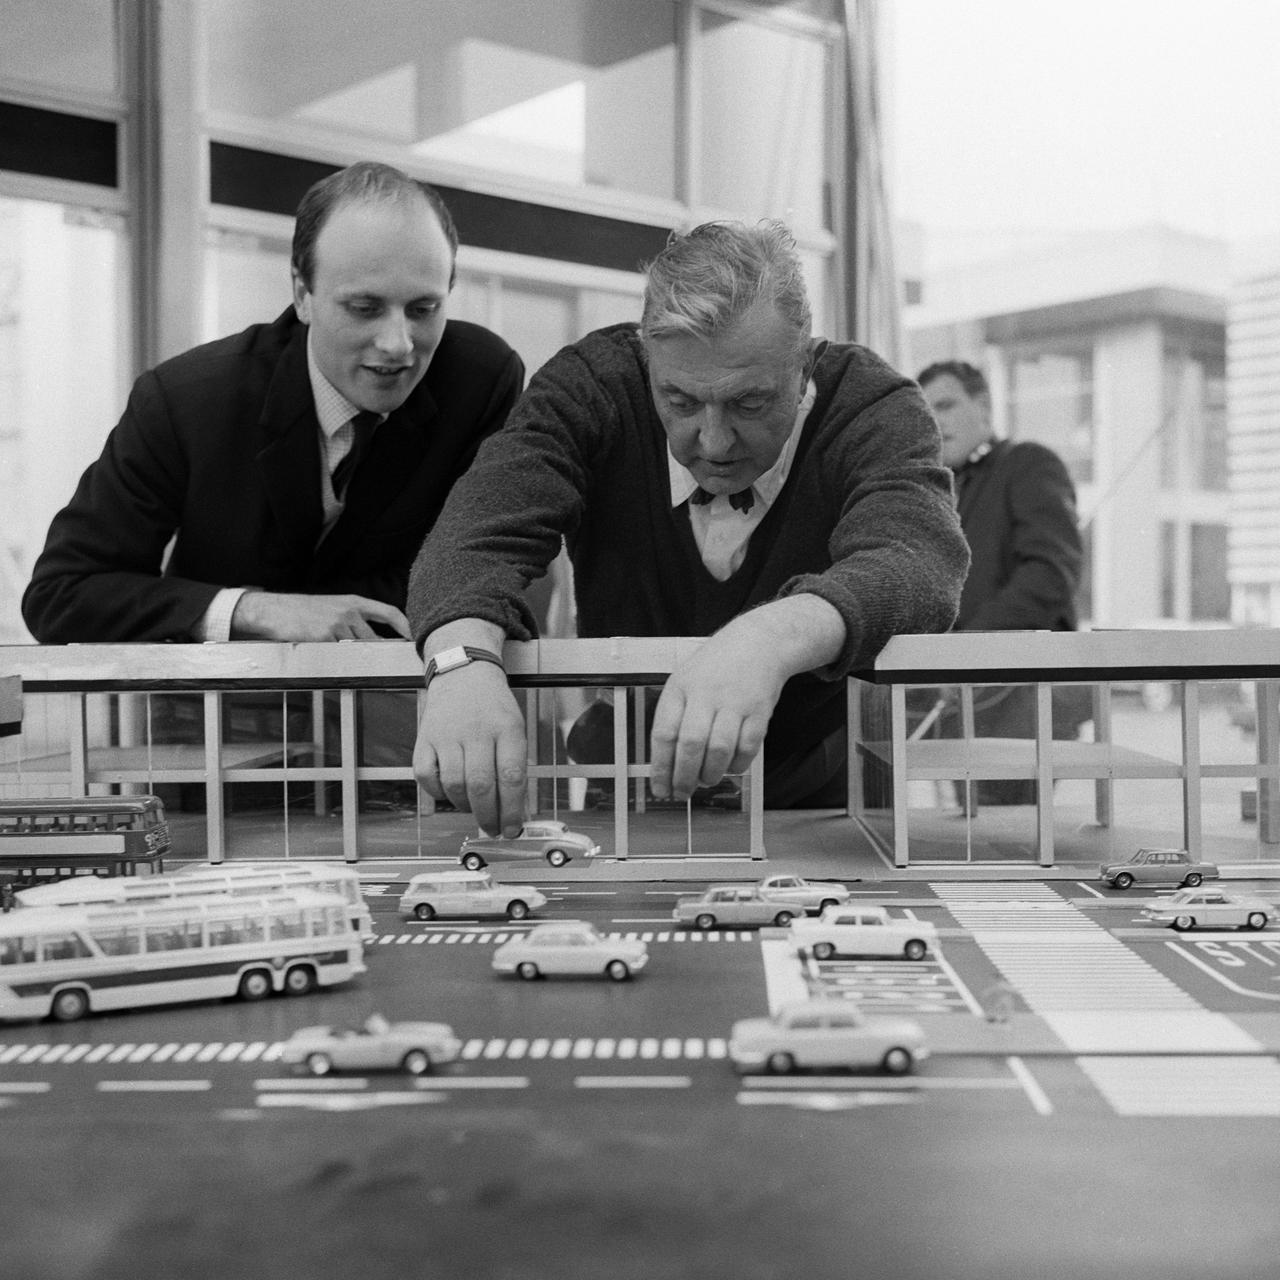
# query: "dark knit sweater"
{"points": [[865, 519]]}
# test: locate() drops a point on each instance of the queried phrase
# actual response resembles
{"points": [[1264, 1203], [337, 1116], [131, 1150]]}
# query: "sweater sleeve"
{"points": [[506, 517], [898, 555]]}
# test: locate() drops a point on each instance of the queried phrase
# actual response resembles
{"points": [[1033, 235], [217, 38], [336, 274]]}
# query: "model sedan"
{"points": [[809, 895], [571, 947], [1209, 909], [732, 904], [1158, 866], [542, 839], [862, 930], [825, 1032], [414, 1047]]}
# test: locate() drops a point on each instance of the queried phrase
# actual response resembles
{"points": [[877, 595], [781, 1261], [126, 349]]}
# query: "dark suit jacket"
{"points": [[220, 446], [1018, 510]]}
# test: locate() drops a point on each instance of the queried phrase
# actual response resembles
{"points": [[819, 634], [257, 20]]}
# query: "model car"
{"points": [[861, 930], [736, 904], [542, 839], [467, 893], [414, 1047], [570, 947], [1158, 866], [810, 895], [825, 1032], [1209, 909]]}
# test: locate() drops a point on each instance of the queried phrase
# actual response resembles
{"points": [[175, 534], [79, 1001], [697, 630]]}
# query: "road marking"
{"points": [[154, 1086], [320, 1083], [472, 1082], [1187, 1086], [12, 1052], [816, 1100], [1220, 977], [632, 1082], [1031, 1087], [783, 979], [347, 1101], [24, 1086]]}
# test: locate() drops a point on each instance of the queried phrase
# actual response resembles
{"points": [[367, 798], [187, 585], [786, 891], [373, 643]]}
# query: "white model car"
{"points": [[809, 895], [414, 1047], [1209, 909], [570, 947], [861, 930], [826, 1032], [467, 893]]}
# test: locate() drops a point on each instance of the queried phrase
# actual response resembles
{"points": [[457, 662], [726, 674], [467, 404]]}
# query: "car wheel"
{"points": [[472, 861], [557, 857], [782, 919], [618, 970], [527, 970], [705, 921], [823, 950], [896, 1062], [780, 1064], [517, 910], [1183, 923], [1193, 880], [319, 1064], [915, 949], [1123, 880], [424, 911], [417, 1062], [1256, 920], [69, 1005], [827, 902], [300, 980], [255, 985]]}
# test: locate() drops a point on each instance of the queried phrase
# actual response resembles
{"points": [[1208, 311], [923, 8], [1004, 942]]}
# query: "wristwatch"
{"points": [[452, 659]]}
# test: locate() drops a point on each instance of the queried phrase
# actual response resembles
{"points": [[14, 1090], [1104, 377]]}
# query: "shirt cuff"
{"points": [[216, 623]]}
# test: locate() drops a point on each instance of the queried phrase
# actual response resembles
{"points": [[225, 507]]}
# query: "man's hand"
{"points": [[269, 615], [471, 746], [713, 713]]}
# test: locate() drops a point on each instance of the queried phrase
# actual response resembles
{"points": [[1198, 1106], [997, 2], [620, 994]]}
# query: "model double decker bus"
{"points": [[111, 835], [65, 962], [239, 878]]}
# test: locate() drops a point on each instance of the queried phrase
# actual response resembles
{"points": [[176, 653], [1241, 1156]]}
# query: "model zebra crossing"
{"points": [[1099, 997], [490, 936], [516, 1049]]}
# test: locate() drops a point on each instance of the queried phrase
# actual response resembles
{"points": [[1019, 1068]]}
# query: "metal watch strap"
{"points": [[451, 659]]}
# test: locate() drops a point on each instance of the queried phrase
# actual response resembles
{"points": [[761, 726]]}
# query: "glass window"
{"points": [[17, 950], [286, 924], [63, 946], [578, 92], [1051, 400], [63, 352], [67, 45], [118, 941], [1193, 439], [764, 100], [1168, 569], [1210, 594]]}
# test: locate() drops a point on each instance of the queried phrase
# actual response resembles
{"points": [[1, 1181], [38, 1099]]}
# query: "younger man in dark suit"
{"points": [[1018, 512], [297, 465]]}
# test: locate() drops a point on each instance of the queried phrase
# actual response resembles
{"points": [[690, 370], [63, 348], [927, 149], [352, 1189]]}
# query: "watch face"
{"points": [[447, 659]]}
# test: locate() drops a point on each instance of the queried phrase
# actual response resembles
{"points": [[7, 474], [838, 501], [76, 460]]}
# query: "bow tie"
{"points": [[742, 501]]}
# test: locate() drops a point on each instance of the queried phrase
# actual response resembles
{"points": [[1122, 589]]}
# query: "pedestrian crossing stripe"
{"points": [[491, 937], [622, 1048]]}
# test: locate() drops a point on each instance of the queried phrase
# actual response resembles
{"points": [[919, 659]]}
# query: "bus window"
{"points": [[17, 951], [173, 937], [286, 924], [117, 942], [64, 946]]}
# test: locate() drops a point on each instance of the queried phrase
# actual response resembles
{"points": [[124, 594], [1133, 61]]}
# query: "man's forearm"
{"points": [[801, 632]]}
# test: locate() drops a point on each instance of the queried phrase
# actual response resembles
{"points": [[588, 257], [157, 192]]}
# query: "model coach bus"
{"points": [[115, 835], [240, 878], [64, 962]]}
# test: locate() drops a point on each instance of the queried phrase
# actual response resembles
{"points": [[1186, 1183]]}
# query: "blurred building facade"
{"points": [[1111, 349]]}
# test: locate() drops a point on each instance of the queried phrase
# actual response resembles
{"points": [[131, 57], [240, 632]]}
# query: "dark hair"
{"points": [[708, 278], [364, 180], [969, 376]]}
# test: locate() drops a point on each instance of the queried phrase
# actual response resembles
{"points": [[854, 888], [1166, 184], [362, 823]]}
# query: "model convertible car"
{"points": [[571, 947], [809, 895], [826, 1032], [414, 1047], [1158, 866], [542, 839], [1209, 909]]}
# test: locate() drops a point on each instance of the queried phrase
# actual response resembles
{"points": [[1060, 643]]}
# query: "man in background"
{"points": [[1017, 507]]}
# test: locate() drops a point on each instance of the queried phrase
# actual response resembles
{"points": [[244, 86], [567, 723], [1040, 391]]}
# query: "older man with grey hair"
{"points": [[714, 471]]}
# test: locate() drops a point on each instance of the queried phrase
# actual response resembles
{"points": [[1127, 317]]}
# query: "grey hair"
{"points": [[707, 278]]}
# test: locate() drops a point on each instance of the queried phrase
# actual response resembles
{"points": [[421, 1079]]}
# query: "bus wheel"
{"points": [[255, 985], [300, 980], [69, 1005]]}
